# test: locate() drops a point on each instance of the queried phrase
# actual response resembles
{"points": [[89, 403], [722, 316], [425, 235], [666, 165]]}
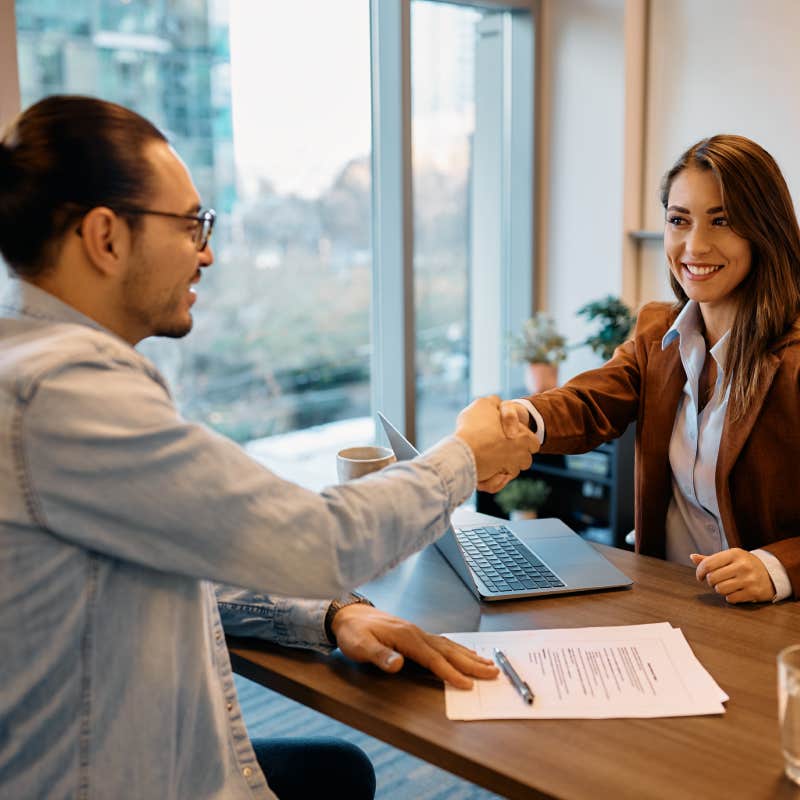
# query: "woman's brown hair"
{"points": [[759, 209]]}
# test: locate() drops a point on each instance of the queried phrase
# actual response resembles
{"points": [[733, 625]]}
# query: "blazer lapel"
{"points": [[664, 381], [734, 435]]}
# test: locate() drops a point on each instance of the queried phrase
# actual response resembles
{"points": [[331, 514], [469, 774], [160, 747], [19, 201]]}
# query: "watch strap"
{"points": [[336, 606]]}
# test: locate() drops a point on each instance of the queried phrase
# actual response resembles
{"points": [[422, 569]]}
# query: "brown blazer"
{"points": [[758, 468]]}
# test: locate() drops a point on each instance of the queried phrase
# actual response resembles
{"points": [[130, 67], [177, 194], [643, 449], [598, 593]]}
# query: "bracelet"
{"points": [[336, 606]]}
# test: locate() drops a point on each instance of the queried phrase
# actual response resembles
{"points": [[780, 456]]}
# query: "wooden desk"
{"points": [[736, 755]]}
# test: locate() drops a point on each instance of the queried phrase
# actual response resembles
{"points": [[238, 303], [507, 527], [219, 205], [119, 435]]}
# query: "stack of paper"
{"points": [[589, 673]]}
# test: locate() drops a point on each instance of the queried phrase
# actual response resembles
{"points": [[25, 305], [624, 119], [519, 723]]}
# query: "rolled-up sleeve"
{"points": [[294, 622]]}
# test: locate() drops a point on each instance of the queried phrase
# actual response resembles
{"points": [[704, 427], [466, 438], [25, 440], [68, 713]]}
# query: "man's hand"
{"points": [[366, 634], [514, 419], [739, 576], [496, 454]]}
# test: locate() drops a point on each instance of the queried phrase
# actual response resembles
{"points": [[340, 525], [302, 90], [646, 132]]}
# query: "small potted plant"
{"points": [[523, 498], [542, 348], [616, 321]]}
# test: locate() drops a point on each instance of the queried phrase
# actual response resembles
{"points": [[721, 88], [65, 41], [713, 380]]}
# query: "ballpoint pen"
{"points": [[524, 690]]}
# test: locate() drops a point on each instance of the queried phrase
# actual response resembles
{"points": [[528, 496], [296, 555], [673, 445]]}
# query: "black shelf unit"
{"points": [[592, 493]]}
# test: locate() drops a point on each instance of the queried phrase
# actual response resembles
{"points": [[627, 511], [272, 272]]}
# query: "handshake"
{"points": [[500, 439]]}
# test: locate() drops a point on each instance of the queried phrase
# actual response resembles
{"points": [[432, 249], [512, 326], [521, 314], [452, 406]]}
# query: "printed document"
{"points": [[589, 673]]}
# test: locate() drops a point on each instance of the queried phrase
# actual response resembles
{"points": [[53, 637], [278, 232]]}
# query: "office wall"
{"points": [[718, 66], [579, 164], [9, 83]]}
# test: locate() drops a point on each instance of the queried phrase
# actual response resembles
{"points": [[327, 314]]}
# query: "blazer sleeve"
{"points": [[787, 551], [598, 405]]}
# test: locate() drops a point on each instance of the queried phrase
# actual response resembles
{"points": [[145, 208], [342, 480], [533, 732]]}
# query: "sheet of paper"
{"points": [[590, 673]]}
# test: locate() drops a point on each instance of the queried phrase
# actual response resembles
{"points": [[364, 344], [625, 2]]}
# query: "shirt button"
{"points": [[229, 706], [247, 772]]}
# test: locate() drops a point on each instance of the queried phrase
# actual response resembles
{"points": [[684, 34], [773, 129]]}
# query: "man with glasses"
{"points": [[125, 531]]}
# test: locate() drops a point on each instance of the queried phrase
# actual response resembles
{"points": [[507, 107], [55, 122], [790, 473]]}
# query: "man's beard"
{"points": [[175, 331], [167, 321]]}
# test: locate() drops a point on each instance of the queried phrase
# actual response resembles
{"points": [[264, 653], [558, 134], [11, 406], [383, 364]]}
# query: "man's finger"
{"points": [[466, 660], [425, 650], [495, 483], [377, 653]]}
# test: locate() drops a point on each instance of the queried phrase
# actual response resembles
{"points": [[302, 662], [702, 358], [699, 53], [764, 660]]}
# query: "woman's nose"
{"points": [[697, 242]]}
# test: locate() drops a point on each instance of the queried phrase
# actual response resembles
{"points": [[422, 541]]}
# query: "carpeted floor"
{"points": [[400, 776]]}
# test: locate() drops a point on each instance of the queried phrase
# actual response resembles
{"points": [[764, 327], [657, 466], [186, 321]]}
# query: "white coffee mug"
{"points": [[354, 462]]}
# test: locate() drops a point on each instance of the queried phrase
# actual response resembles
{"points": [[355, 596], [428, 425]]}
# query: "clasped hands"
{"points": [[500, 438]]}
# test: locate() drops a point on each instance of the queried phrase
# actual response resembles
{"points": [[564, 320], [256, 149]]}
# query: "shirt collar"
{"points": [[28, 300], [687, 325]]}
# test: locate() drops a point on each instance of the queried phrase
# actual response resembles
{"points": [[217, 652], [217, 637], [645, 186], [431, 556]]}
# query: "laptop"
{"points": [[503, 560]]}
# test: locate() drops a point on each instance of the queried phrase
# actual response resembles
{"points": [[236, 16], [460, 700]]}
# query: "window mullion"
{"points": [[393, 341]]}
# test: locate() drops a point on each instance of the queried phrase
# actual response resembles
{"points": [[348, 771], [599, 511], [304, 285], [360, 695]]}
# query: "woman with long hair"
{"points": [[712, 380]]}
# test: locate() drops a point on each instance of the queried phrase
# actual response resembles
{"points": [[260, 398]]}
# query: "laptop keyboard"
{"points": [[503, 563]]}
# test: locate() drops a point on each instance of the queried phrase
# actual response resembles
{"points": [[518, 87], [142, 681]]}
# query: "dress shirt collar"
{"points": [[687, 325], [22, 297]]}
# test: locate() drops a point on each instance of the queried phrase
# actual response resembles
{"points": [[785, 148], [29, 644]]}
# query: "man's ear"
{"points": [[106, 240]]}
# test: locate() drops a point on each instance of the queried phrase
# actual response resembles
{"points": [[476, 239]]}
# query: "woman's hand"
{"points": [[739, 576]]}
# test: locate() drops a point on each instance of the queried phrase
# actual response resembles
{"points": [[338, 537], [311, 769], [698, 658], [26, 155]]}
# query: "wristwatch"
{"points": [[337, 605]]}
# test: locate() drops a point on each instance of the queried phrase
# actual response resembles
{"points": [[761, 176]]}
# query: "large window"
{"points": [[272, 116], [348, 272]]}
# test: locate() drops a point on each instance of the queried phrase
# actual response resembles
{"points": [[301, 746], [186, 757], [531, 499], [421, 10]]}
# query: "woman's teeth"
{"points": [[695, 269]]}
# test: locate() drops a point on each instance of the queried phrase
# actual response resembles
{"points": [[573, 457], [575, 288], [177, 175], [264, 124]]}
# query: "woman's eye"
{"points": [[720, 222], [676, 220]]}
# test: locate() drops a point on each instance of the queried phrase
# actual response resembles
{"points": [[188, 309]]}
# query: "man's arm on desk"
{"points": [[367, 634], [363, 633]]}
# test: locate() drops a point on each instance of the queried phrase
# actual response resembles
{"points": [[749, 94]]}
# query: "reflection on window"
{"points": [[272, 116], [443, 101]]}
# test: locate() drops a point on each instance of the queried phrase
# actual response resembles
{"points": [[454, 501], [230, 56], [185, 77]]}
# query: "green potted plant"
{"points": [[542, 348], [616, 321], [523, 497]]}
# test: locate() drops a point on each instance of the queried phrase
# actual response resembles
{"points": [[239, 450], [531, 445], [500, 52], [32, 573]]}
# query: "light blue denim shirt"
{"points": [[117, 518], [693, 521]]}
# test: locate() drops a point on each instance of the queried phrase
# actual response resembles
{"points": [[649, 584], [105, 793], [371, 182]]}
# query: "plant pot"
{"points": [[521, 513], [541, 377]]}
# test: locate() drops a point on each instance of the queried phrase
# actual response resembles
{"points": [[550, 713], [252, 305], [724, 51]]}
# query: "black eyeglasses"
{"points": [[204, 219]]}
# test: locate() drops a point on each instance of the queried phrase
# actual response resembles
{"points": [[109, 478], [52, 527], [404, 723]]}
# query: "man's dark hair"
{"points": [[60, 158]]}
